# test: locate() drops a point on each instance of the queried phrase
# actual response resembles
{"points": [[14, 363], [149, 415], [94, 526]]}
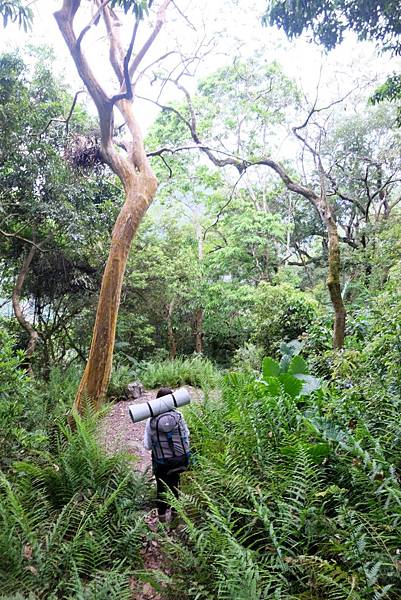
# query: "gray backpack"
{"points": [[169, 437]]}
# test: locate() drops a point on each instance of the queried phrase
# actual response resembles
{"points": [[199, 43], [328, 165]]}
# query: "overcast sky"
{"points": [[234, 28]]}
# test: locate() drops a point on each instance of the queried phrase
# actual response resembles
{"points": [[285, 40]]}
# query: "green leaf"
{"points": [[317, 452], [310, 383], [291, 348], [273, 386], [292, 386], [298, 365], [284, 363], [270, 368]]}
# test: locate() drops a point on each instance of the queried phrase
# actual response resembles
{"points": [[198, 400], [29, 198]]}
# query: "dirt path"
{"points": [[119, 433]]}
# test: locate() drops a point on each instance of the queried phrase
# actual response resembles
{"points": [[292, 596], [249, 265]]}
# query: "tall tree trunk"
{"points": [[170, 330], [334, 262], [199, 313], [16, 299], [333, 282], [198, 331], [132, 168], [96, 376]]}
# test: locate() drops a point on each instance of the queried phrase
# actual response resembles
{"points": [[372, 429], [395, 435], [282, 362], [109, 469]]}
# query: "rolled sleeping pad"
{"points": [[139, 412]]}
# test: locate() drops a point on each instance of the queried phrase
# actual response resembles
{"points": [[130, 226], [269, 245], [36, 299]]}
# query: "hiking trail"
{"points": [[118, 433]]}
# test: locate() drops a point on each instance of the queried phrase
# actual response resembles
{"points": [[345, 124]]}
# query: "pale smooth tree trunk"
{"points": [[96, 376], [133, 169], [19, 314], [199, 313]]}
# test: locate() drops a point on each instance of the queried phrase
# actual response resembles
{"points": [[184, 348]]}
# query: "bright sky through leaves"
{"points": [[236, 30]]}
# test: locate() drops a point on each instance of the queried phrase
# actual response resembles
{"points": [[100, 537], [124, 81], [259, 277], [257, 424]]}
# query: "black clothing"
{"points": [[168, 477]]}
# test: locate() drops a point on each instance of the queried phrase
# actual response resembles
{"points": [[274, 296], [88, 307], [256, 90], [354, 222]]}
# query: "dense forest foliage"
{"points": [[265, 272]]}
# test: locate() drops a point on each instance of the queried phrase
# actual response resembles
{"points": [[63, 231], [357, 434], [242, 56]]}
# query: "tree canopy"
{"points": [[16, 11], [263, 274], [329, 20]]}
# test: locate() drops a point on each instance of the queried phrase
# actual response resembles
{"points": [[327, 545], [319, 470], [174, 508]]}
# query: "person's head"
{"points": [[164, 391]]}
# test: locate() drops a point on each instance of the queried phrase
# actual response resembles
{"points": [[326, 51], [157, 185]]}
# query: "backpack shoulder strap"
{"points": [[155, 422], [184, 449]]}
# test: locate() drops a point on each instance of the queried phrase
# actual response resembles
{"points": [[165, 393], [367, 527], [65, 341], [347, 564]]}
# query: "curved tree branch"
{"points": [[136, 176], [319, 201], [19, 314], [19, 237]]}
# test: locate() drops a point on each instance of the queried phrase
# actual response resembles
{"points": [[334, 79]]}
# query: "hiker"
{"points": [[167, 436]]}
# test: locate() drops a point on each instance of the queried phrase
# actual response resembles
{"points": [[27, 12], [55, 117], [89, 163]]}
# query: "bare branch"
{"points": [[116, 52], [65, 20], [19, 237], [127, 79], [183, 16], [167, 165], [61, 120], [290, 184], [184, 63], [166, 149], [216, 221], [166, 107], [388, 182], [233, 161], [323, 108], [143, 51], [313, 111], [154, 62], [304, 263], [351, 200], [93, 21], [337, 192], [241, 164]]}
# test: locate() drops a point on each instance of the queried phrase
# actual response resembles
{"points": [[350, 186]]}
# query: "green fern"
{"points": [[288, 498], [71, 518]]}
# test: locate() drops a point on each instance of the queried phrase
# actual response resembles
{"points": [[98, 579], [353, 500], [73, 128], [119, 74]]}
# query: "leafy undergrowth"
{"points": [[292, 495], [195, 371], [71, 520]]}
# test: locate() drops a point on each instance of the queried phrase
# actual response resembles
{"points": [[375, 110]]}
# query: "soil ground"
{"points": [[119, 433]]}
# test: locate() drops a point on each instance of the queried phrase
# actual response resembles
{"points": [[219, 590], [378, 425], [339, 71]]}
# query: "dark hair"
{"points": [[164, 392]]}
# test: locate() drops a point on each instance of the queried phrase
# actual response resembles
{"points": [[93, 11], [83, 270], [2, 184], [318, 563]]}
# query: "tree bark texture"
{"points": [[134, 171], [170, 330], [198, 330], [96, 376], [333, 283], [16, 300]]}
